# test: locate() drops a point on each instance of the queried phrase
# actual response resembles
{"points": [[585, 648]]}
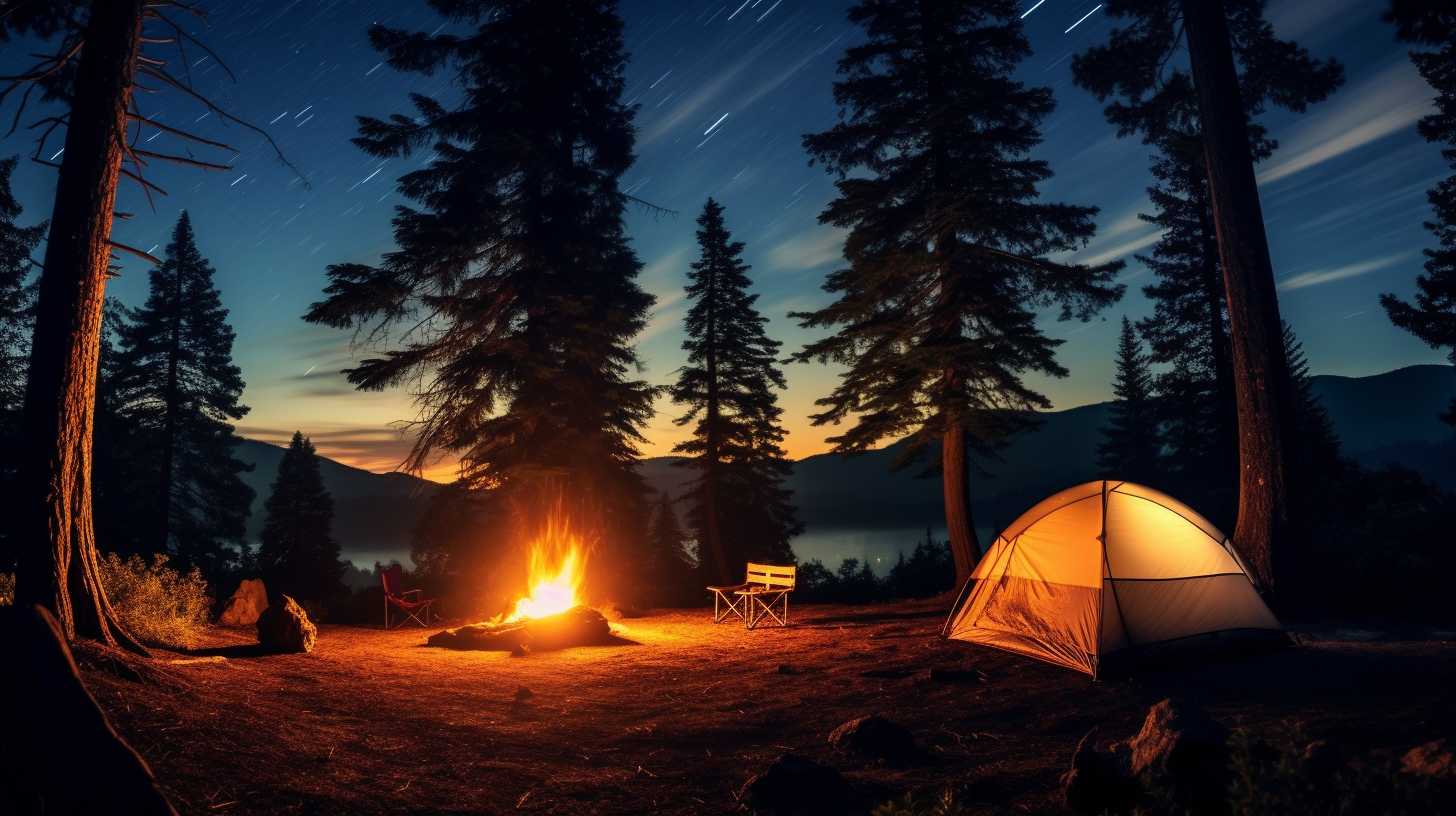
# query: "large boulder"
{"points": [[62, 755], [795, 785], [578, 626], [285, 627], [875, 737], [246, 604], [1182, 751]]}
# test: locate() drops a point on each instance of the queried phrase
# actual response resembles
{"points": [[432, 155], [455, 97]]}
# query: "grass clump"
{"points": [[157, 604], [7, 588]]}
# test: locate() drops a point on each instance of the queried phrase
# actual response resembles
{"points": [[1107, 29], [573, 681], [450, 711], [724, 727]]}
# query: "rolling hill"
{"points": [[1382, 419]]}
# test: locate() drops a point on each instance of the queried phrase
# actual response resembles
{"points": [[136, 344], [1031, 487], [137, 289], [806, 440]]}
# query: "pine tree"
{"points": [[1131, 448], [935, 317], [669, 563], [297, 552], [1432, 316], [177, 391], [739, 508], [17, 316], [516, 268], [1235, 66]]}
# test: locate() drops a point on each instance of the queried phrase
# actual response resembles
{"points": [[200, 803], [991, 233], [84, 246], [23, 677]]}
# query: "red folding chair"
{"points": [[407, 601]]}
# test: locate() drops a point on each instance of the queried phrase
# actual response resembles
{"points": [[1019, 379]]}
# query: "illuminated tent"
{"points": [[1103, 567]]}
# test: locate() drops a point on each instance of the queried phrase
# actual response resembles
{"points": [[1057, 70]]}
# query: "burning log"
{"points": [[578, 626]]}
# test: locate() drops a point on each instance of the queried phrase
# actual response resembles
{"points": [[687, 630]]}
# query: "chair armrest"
{"points": [[411, 592]]}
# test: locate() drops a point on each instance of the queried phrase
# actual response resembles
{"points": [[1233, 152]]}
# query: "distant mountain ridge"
{"points": [[1389, 418]]}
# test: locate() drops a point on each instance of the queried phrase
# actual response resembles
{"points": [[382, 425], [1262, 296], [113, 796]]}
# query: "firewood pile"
{"points": [[578, 626]]}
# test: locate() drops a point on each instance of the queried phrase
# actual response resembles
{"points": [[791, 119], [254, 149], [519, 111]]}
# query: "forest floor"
{"points": [[677, 720]]}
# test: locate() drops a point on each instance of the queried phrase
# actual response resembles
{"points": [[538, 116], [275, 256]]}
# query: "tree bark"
{"points": [[58, 564], [955, 468], [1261, 382]]}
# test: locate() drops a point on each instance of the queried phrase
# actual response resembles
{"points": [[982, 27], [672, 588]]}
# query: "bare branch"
{"points": [[655, 209], [146, 185], [184, 134], [158, 73], [199, 43], [181, 160], [137, 252]]}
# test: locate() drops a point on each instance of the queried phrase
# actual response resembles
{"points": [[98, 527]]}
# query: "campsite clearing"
{"points": [[374, 722]]}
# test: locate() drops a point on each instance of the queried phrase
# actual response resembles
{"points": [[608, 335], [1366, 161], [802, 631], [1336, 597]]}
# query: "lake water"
{"points": [[879, 546]]}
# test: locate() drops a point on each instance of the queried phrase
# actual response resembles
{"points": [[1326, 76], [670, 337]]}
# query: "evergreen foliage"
{"points": [[297, 552], [17, 303], [739, 508], [935, 316], [511, 300], [1131, 448], [1431, 316], [177, 392]]}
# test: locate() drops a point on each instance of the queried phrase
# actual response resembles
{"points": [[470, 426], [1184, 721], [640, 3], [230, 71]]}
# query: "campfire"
{"points": [[550, 615]]}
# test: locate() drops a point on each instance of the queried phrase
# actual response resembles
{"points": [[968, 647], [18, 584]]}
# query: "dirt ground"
{"points": [[677, 720]]}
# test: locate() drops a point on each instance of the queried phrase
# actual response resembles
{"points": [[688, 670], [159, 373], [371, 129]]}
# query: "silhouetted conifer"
{"points": [[512, 290], [17, 317], [738, 505], [1235, 67], [935, 316], [297, 551], [1131, 446], [1432, 314], [177, 391], [669, 562]]}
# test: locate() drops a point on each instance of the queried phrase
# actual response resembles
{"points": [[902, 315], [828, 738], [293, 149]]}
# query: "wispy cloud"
{"points": [[1390, 101], [1121, 250], [1320, 277], [808, 250]]}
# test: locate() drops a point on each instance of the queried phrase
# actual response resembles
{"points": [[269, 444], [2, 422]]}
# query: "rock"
{"points": [[785, 668], [1181, 750], [875, 737], [523, 694], [1099, 781], [794, 784], [246, 604], [62, 755], [285, 627], [1432, 760]]}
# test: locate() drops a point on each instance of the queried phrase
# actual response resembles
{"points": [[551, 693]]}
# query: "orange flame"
{"points": [[557, 561]]}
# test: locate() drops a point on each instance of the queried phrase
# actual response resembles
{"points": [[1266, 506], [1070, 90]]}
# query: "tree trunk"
{"points": [[955, 469], [1225, 414], [1261, 383], [58, 564], [712, 455]]}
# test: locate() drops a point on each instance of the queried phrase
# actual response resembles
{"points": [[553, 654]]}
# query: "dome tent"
{"points": [[1100, 568]]}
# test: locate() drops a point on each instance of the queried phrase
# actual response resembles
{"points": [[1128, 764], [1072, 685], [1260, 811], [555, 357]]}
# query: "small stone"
{"points": [[1180, 748], [875, 737], [794, 784], [523, 694], [285, 627], [1432, 760], [785, 668]]}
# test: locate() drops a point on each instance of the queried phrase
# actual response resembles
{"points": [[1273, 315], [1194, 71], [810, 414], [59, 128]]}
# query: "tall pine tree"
{"points": [[178, 392], [1235, 67], [1131, 447], [514, 268], [739, 508], [297, 552], [17, 317], [1432, 315], [935, 317]]}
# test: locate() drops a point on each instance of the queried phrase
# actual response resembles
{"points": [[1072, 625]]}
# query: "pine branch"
{"points": [[131, 250]]}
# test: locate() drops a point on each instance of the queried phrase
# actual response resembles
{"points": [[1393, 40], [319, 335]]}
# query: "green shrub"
{"points": [[156, 603], [7, 588]]}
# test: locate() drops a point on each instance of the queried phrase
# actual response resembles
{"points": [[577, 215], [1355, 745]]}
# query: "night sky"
{"points": [[725, 92]]}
